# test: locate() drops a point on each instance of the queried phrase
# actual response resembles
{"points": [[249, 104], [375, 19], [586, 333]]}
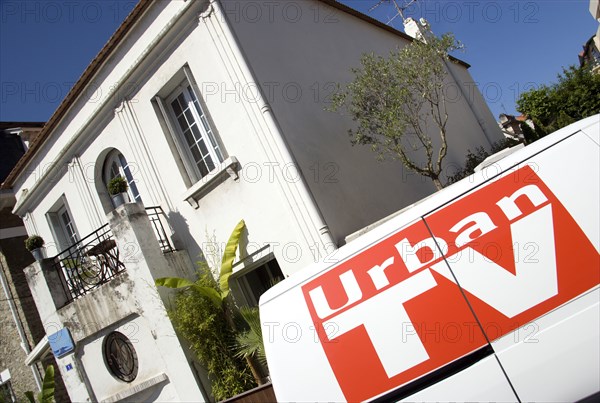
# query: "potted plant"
{"points": [[117, 187], [35, 244]]}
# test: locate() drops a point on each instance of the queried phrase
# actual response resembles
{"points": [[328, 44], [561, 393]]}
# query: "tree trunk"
{"points": [[438, 184], [255, 370]]}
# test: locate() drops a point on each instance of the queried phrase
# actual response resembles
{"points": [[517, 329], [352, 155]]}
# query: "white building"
{"points": [[214, 111]]}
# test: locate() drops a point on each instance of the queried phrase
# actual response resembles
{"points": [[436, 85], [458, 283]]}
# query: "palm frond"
{"points": [[250, 343]]}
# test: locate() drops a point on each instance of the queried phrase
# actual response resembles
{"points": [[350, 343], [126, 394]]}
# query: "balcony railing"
{"points": [[95, 259], [157, 219], [89, 263]]}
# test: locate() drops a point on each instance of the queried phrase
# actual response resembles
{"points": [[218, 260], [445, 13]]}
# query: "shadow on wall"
{"points": [[184, 239], [243, 244]]}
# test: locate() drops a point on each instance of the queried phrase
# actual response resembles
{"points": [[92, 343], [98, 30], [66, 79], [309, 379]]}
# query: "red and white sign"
{"points": [[511, 246]]}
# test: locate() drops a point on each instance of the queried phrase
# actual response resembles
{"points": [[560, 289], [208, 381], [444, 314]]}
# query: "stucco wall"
{"points": [[128, 303], [140, 334], [12, 354], [298, 50], [129, 122]]}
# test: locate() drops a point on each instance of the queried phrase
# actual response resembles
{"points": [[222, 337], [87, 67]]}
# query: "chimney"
{"points": [[418, 30]]}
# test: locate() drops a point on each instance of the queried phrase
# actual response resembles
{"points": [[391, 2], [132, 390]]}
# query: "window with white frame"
{"points": [[191, 128], [62, 225], [116, 165], [196, 133]]}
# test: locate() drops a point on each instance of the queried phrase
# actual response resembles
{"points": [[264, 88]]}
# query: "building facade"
{"points": [[213, 112], [590, 55]]}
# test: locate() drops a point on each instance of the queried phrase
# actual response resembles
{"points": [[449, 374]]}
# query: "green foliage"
{"points": [[206, 328], [47, 393], [537, 104], [212, 331], [528, 133], [250, 343], [575, 96], [217, 296], [180, 283], [71, 263], [395, 100], [476, 157], [34, 242], [117, 185], [229, 257]]}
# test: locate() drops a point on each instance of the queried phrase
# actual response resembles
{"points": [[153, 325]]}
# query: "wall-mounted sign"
{"points": [[61, 343]]}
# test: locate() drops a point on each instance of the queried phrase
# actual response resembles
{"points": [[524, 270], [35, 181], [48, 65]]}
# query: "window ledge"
{"points": [[227, 168]]}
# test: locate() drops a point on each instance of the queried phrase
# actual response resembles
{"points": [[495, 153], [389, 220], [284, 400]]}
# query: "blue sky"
{"points": [[512, 45]]}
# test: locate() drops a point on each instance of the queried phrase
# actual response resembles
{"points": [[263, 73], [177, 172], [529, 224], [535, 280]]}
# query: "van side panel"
{"points": [[487, 291], [530, 272], [482, 382], [298, 366], [556, 358]]}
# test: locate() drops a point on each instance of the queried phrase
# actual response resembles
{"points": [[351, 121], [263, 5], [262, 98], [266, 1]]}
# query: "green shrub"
{"points": [[34, 242], [250, 342], [575, 96], [205, 327], [117, 185]]}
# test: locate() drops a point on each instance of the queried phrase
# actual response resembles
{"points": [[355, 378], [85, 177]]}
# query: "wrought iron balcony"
{"points": [[95, 259], [89, 263]]}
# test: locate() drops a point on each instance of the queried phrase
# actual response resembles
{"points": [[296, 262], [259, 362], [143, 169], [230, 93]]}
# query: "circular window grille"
{"points": [[120, 356]]}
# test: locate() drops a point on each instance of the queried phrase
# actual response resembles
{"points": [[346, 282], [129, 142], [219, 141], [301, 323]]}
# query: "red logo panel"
{"points": [[546, 258], [397, 309]]}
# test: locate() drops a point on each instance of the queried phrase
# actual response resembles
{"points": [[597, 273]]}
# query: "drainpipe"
{"points": [[305, 195], [18, 324]]}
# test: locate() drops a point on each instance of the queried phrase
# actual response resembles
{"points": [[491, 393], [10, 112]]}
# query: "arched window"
{"points": [[116, 165]]}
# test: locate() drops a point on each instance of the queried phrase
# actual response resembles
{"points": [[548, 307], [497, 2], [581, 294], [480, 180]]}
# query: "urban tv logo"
{"points": [[441, 271]]}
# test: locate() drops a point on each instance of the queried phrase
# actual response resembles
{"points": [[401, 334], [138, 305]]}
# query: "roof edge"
{"points": [[371, 20]]}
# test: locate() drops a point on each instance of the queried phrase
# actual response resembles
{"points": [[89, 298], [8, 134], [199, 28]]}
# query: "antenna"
{"points": [[399, 9]]}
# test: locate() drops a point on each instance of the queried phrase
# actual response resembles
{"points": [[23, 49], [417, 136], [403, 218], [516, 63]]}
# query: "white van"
{"points": [[486, 291]]}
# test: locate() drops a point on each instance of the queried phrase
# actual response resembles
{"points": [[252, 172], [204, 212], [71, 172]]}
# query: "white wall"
{"points": [[298, 50], [150, 364], [256, 197], [135, 129], [128, 121]]}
